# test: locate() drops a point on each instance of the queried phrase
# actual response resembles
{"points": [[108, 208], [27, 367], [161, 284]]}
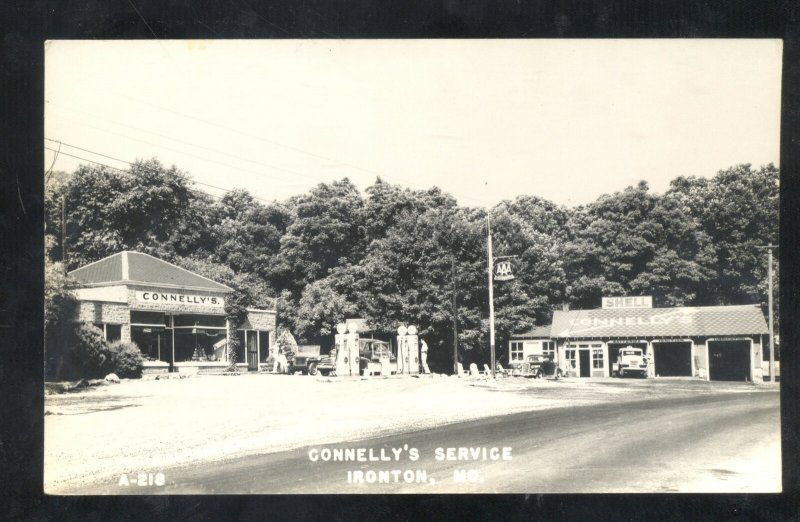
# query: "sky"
{"points": [[485, 120]]}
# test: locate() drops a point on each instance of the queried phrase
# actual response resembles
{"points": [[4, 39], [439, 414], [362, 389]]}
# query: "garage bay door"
{"points": [[729, 360], [673, 359]]}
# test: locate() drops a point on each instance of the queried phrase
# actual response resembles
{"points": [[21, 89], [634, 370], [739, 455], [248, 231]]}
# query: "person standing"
{"points": [[423, 356]]}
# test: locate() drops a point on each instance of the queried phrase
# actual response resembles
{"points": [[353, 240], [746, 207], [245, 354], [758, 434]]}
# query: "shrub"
{"points": [[285, 342], [87, 356], [126, 359]]}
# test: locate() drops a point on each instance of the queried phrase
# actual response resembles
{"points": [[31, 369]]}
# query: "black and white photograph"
{"points": [[388, 266]]}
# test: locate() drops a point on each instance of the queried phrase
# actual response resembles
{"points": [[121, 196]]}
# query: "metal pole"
{"points": [[771, 324], [455, 319], [64, 230], [771, 318], [491, 293]]}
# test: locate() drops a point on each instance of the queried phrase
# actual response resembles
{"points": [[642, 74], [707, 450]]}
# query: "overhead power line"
{"points": [[291, 147], [128, 172]]}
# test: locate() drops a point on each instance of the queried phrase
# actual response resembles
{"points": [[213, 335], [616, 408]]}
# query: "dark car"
{"points": [[537, 366]]}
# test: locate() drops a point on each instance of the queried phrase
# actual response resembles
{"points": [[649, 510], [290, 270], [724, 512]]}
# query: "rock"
{"points": [[96, 382], [54, 388], [112, 377]]}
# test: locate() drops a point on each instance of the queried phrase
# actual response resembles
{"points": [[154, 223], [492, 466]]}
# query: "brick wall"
{"points": [[260, 320]]}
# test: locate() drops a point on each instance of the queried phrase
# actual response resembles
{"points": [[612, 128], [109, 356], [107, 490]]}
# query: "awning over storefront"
{"points": [[703, 321]]}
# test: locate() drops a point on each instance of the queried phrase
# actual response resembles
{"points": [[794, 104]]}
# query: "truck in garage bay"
{"points": [[630, 361]]}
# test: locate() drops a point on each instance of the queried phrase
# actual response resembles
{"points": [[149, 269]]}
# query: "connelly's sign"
{"points": [[643, 301], [173, 298]]}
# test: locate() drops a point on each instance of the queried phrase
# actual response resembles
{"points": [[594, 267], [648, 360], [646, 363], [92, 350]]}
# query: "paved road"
{"points": [[704, 443]]}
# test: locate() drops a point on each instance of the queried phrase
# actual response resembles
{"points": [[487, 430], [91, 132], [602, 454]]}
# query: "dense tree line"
{"points": [[399, 256]]}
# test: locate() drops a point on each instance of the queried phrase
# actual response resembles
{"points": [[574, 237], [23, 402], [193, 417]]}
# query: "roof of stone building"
{"points": [[138, 268]]}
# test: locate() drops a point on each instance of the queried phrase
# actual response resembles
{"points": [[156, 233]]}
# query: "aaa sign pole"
{"points": [[491, 293]]}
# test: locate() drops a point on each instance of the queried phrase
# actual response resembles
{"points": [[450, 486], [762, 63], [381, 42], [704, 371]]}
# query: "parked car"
{"points": [[536, 366]]}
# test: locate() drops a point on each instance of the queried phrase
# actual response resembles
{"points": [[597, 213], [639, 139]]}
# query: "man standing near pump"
{"points": [[423, 356]]}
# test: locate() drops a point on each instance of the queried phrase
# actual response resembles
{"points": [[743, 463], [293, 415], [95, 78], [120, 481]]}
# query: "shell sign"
{"points": [[502, 271]]}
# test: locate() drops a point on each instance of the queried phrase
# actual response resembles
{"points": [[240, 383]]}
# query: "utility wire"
{"points": [[128, 172], [216, 151], [258, 173], [130, 164], [288, 147], [53, 164]]}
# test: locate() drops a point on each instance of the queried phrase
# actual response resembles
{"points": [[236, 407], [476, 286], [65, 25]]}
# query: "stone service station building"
{"points": [[175, 317]]}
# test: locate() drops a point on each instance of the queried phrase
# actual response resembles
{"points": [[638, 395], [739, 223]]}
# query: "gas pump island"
{"points": [[356, 356]]}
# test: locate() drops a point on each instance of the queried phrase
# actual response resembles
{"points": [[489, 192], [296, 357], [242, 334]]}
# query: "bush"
{"points": [[87, 356], [126, 359]]}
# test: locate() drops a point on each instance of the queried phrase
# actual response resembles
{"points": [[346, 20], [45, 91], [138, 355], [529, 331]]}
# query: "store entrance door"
{"points": [[585, 363], [252, 351]]}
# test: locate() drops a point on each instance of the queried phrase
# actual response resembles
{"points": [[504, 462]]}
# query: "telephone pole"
{"points": [[769, 249], [64, 230]]}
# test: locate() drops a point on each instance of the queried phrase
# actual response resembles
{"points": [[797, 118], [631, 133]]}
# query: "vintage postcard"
{"points": [[412, 266]]}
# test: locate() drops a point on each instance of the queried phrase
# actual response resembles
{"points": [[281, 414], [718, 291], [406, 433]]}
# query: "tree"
{"points": [[534, 231], [60, 310], [246, 233], [632, 243], [109, 211], [326, 232], [236, 304], [737, 210]]}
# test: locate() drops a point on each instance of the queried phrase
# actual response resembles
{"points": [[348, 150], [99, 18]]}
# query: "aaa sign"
{"points": [[502, 271]]}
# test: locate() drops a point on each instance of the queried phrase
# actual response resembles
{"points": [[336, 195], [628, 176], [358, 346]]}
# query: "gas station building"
{"points": [[710, 342], [175, 317]]}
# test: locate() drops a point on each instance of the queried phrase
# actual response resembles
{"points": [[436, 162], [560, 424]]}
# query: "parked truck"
{"points": [[630, 361], [305, 360]]}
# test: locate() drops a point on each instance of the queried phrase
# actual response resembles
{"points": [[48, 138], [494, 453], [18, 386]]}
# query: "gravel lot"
{"points": [[143, 425]]}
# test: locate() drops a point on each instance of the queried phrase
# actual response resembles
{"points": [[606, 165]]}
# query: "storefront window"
{"points": [[549, 349], [263, 339], [155, 343], [196, 344], [571, 356], [597, 358], [199, 337], [516, 351]]}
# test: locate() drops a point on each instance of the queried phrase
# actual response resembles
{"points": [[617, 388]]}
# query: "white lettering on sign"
{"points": [[642, 301], [598, 322], [503, 271], [168, 298]]}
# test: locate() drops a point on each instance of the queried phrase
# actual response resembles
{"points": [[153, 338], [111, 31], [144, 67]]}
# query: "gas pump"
{"points": [[407, 350], [347, 356]]}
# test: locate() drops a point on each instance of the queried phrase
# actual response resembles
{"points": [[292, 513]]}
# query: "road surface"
{"points": [[707, 443]]}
